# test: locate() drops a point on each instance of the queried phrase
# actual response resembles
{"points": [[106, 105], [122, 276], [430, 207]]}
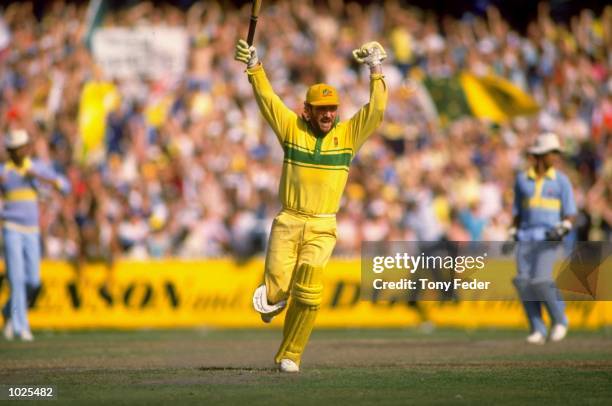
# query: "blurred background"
{"points": [[142, 107]]}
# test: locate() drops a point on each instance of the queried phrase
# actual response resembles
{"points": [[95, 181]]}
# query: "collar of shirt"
{"points": [[551, 173], [25, 165]]}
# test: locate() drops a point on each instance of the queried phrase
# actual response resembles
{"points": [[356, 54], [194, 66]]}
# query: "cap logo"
{"points": [[327, 92]]}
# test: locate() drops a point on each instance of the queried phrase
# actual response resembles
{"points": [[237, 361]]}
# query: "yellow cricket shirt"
{"points": [[315, 169]]}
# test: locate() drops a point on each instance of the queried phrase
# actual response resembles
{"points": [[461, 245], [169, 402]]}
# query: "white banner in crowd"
{"points": [[5, 34], [153, 52]]}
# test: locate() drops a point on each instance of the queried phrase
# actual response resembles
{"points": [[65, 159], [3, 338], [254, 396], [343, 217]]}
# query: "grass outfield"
{"points": [[342, 366]]}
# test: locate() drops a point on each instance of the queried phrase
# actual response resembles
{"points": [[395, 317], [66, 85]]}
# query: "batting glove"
{"points": [[370, 53], [508, 246], [560, 231], [512, 234], [246, 54]]}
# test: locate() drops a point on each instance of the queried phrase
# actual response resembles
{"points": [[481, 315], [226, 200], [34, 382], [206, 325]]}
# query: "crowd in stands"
{"points": [[202, 181]]}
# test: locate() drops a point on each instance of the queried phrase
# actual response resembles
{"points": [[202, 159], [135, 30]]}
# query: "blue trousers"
{"points": [[534, 282], [22, 258]]}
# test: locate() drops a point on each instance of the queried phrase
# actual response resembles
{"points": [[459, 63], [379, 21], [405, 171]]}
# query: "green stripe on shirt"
{"points": [[294, 154], [321, 167]]}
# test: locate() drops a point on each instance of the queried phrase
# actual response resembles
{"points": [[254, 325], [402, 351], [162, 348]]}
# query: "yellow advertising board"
{"points": [[218, 293]]}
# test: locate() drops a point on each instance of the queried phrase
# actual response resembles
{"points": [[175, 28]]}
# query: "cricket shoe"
{"points": [[287, 365], [7, 331], [536, 338], [26, 335], [557, 333]]}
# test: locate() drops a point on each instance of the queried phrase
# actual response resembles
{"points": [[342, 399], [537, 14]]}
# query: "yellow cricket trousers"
{"points": [[296, 239]]}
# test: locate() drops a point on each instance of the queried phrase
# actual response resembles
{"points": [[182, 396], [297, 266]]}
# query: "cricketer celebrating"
{"points": [[20, 180], [318, 151], [544, 209]]}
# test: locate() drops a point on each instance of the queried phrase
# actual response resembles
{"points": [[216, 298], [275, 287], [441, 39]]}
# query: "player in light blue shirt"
{"points": [[543, 210], [20, 181]]}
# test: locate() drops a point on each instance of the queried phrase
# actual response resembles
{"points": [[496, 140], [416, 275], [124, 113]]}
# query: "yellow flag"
{"points": [[97, 99], [495, 98]]}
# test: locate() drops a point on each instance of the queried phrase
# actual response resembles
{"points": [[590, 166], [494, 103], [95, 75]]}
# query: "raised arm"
{"points": [[280, 117], [369, 117], [48, 176]]}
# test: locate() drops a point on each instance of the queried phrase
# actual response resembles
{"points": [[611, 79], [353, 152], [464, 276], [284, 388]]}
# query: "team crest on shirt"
{"points": [[335, 141]]}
